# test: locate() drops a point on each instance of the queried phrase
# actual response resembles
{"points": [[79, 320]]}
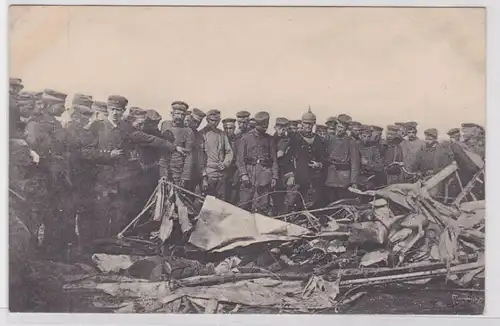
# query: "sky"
{"points": [[379, 65]]}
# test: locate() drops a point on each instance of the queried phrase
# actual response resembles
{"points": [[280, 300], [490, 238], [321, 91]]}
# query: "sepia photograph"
{"points": [[239, 159]]}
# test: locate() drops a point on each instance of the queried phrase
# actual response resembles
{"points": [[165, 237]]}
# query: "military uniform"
{"points": [[218, 156], [433, 158], [411, 147], [242, 119], [176, 166], [197, 151], [258, 166], [343, 164], [392, 156], [82, 172], [232, 179], [309, 178], [283, 199], [47, 137], [330, 123], [371, 165], [355, 128]]}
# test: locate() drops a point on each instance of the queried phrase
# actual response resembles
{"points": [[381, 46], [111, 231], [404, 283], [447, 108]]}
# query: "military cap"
{"points": [[99, 106], [366, 129], [252, 121], [402, 124], [431, 132], [331, 120], [83, 110], [394, 128], [82, 100], [309, 116], [52, 96], [261, 116], [229, 121], [180, 105], [321, 128], [242, 114], [137, 112], [412, 125], [453, 131], [24, 95], [344, 119], [355, 124], [470, 125], [281, 121], [198, 114], [153, 115], [295, 122], [377, 128], [213, 115], [117, 101], [16, 82]]}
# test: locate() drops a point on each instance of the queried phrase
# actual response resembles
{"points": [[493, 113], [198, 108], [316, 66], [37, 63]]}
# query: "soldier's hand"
{"points": [[364, 161], [181, 150], [290, 182], [354, 186], [34, 156], [205, 185], [273, 183], [245, 181], [220, 166], [116, 152], [280, 154]]}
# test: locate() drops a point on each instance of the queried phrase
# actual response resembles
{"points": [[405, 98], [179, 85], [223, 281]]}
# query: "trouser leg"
{"points": [[261, 200]]}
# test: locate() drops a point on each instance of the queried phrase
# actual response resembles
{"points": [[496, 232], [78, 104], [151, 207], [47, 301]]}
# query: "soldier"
{"points": [[343, 162], [82, 175], [258, 166], [321, 131], [433, 158], [243, 119], [176, 166], [26, 104], [355, 128], [371, 166], [471, 134], [150, 156], [308, 151], [101, 110], [411, 146], [401, 129], [330, 125], [194, 121], [377, 134], [229, 125], [454, 134], [15, 86], [392, 155], [217, 156], [47, 137], [284, 198], [114, 148], [251, 124]]}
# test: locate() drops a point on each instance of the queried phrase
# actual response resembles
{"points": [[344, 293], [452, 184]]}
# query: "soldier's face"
{"points": [[376, 136], [429, 139], [455, 137], [330, 129], [138, 123], [280, 130], [242, 124], [56, 109], [390, 135], [85, 119], [262, 126], [229, 129], [213, 123], [178, 116], [356, 131], [115, 114], [101, 115], [193, 123], [468, 132], [307, 127], [412, 134], [15, 90], [292, 129], [401, 133], [322, 133], [341, 129]]}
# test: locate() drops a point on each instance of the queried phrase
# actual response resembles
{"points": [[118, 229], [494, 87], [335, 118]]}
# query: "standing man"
{"points": [[343, 162], [176, 166], [371, 165], [82, 173], [308, 151], [401, 130], [101, 110], [150, 156], [229, 125], [194, 121], [471, 138], [454, 134], [251, 124], [411, 146], [243, 119], [293, 127], [284, 198], [47, 137], [218, 156], [258, 166], [355, 128], [392, 155], [433, 158]]}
